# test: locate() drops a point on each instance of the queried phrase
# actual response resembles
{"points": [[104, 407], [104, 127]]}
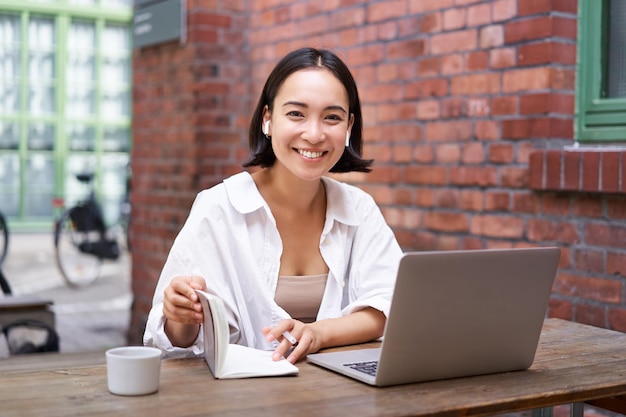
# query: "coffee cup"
{"points": [[133, 370]]}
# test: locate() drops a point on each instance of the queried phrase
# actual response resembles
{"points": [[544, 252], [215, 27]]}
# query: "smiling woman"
{"points": [[287, 249]]}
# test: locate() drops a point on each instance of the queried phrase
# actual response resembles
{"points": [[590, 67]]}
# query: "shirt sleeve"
{"points": [[373, 265]]}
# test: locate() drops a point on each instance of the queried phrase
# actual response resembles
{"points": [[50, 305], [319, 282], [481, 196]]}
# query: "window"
{"points": [[65, 104], [601, 92]]}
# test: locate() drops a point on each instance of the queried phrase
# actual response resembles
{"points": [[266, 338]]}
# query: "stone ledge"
{"points": [[595, 170]]}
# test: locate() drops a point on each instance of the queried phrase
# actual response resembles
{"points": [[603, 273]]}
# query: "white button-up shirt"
{"points": [[230, 238]]}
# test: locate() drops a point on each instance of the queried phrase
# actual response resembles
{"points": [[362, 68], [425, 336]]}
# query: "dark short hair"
{"points": [[261, 153]]}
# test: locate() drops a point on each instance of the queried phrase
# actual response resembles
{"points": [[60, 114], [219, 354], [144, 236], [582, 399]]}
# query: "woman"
{"points": [[286, 248]]}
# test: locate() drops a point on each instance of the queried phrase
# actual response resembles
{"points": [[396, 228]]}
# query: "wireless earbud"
{"points": [[266, 127], [347, 138]]}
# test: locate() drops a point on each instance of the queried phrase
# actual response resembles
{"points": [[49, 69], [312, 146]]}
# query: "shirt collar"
{"points": [[342, 203]]}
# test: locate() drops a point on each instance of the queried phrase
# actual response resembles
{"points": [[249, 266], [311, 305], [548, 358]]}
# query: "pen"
{"points": [[290, 337]]}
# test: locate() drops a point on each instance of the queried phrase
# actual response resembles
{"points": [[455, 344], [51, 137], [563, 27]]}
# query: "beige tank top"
{"points": [[301, 297]]}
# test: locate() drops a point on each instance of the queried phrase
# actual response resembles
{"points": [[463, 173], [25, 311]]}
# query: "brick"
{"points": [[504, 105], [538, 230], [447, 198], [401, 153], [497, 226], [536, 170], [448, 131], [527, 29], [592, 315], [425, 198], [544, 103], [532, 7], [590, 288], [616, 263], [546, 52], [605, 235], [514, 177], [610, 166], [571, 171], [502, 58], [431, 23], [477, 61], [491, 36], [405, 49], [487, 130], [553, 169], [426, 175], [452, 64], [428, 67], [519, 80], [560, 309], [428, 88], [475, 84], [445, 43], [623, 180], [497, 201], [564, 27], [587, 206], [501, 153], [452, 108], [504, 10], [446, 222], [473, 153], [616, 207], [383, 11], [617, 319], [590, 171], [388, 31], [525, 202], [454, 18], [471, 200], [474, 176], [448, 153], [424, 154], [428, 110], [588, 260], [479, 15], [421, 6], [555, 205]]}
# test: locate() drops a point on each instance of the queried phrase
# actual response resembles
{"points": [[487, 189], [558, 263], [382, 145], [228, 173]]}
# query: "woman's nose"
{"points": [[313, 132]]}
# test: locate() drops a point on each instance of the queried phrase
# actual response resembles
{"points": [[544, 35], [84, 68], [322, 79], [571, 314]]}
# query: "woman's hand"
{"points": [[182, 309], [308, 339], [359, 327]]}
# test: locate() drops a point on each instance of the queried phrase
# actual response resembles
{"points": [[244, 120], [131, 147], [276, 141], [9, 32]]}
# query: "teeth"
{"points": [[309, 154]]}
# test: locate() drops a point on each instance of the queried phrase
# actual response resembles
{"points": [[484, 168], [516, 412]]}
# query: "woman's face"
{"points": [[309, 122]]}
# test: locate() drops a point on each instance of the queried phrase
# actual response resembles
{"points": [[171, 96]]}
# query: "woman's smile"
{"points": [[310, 154]]}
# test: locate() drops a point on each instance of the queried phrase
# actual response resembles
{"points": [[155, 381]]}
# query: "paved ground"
{"points": [[89, 319]]}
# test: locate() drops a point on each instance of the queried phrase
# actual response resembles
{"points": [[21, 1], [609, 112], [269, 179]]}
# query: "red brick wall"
{"points": [[465, 104]]}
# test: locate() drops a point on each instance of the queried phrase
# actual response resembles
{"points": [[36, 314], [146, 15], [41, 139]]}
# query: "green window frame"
{"points": [[599, 116], [100, 137]]}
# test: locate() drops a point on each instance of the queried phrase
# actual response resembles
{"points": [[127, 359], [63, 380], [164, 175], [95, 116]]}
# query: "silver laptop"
{"points": [[457, 313]]}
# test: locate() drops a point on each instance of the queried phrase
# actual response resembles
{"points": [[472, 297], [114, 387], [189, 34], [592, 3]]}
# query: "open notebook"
{"points": [[226, 360], [457, 313]]}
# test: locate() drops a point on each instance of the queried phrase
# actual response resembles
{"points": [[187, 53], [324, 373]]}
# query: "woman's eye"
{"points": [[294, 113], [334, 117]]}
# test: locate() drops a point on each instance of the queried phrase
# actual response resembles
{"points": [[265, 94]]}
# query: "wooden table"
{"points": [[574, 363]]}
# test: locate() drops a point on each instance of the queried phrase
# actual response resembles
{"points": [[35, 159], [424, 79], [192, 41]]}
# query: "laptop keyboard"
{"points": [[368, 367]]}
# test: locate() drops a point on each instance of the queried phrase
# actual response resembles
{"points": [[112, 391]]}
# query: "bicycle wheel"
{"points": [[4, 239], [77, 268]]}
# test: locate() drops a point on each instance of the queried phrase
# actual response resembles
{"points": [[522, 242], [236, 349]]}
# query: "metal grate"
{"points": [[616, 87]]}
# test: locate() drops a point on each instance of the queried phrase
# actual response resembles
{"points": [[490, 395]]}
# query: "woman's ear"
{"points": [[266, 122]]}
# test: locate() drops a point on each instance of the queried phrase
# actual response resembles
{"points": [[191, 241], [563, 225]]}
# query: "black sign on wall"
{"points": [[158, 21]]}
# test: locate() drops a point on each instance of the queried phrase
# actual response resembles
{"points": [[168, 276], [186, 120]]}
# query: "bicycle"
{"points": [[4, 248], [4, 238], [82, 241]]}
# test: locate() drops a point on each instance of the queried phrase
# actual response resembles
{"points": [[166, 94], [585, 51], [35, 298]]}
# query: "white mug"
{"points": [[133, 370]]}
